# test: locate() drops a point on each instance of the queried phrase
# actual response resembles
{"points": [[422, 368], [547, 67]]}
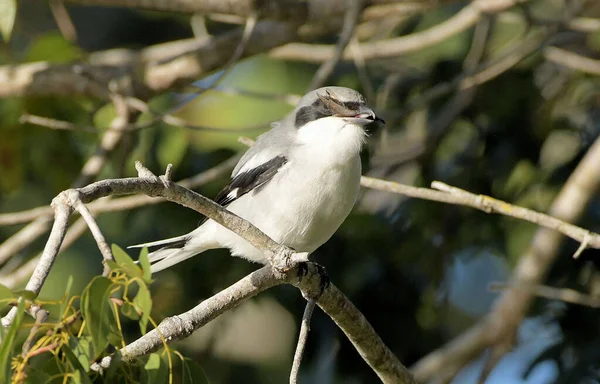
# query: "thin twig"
{"points": [[42, 269], [489, 204], [484, 72], [40, 318], [54, 124], [302, 338], [168, 118], [500, 325], [361, 68], [572, 60], [125, 203], [445, 193], [350, 19], [461, 21], [96, 232], [552, 293], [89, 171]]}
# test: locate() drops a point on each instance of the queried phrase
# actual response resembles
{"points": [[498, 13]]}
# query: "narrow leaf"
{"points": [[97, 312], [65, 299], [80, 375], [143, 302], [125, 262], [6, 296], [192, 373], [7, 343], [155, 370], [27, 295], [83, 349], [8, 14], [145, 264], [128, 310]]}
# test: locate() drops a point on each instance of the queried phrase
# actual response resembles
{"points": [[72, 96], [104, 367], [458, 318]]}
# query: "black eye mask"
{"points": [[337, 108], [325, 106]]}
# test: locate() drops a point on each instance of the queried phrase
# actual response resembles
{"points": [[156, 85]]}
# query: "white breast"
{"points": [[312, 194]]}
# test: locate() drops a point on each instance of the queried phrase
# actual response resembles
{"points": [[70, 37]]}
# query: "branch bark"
{"points": [[143, 73], [283, 269], [461, 21]]}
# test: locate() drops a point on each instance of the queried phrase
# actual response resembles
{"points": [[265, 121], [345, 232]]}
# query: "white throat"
{"points": [[332, 139]]}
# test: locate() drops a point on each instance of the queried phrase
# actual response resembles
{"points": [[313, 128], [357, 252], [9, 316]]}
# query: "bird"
{"points": [[297, 183]]}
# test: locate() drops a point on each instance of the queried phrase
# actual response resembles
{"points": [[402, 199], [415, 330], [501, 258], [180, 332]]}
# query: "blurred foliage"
{"points": [[87, 327], [418, 270]]}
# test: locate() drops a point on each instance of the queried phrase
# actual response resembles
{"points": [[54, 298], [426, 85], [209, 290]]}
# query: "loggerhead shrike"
{"points": [[297, 184]]}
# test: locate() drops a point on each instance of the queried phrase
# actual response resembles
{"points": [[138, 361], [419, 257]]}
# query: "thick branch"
{"points": [[342, 311], [144, 73], [461, 21], [332, 301]]}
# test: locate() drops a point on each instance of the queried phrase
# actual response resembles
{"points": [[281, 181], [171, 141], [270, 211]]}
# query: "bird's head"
{"points": [[339, 102]]}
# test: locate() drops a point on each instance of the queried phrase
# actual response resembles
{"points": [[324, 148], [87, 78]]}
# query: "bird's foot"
{"points": [[324, 280], [287, 259]]}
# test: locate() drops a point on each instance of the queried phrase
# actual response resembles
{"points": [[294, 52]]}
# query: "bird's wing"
{"points": [[250, 179], [269, 145]]}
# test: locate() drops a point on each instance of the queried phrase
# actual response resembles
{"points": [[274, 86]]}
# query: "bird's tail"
{"points": [[171, 252]]}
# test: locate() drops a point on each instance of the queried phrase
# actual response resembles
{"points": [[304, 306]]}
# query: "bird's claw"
{"points": [[324, 280], [302, 270]]}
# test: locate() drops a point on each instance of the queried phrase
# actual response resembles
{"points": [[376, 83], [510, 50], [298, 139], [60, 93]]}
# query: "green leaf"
{"points": [[125, 262], [6, 296], [52, 47], [27, 295], [128, 310], [192, 373], [172, 146], [112, 265], [65, 299], [7, 343], [97, 312], [84, 350], [104, 115], [8, 13], [145, 264], [155, 370], [143, 302], [80, 375]]}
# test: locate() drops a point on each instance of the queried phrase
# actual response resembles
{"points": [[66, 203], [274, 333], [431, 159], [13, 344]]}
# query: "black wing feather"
{"points": [[253, 179]]}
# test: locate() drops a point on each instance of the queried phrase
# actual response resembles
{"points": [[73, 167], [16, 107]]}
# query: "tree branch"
{"points": [[89, 171], [461, 21], [284, 270], [350, 20], [302, 338], [500, 325], [142, 74], [572, 60]]}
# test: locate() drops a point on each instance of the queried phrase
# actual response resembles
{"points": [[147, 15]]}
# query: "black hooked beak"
{"points": [[368, 114]]}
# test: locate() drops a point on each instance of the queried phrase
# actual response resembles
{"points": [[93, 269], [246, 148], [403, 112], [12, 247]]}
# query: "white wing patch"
{"points": [[233, 194]]}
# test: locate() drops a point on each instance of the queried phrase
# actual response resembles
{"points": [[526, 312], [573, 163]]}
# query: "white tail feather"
{"points": [[160, 242], [177, 249], [170, 257]]}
